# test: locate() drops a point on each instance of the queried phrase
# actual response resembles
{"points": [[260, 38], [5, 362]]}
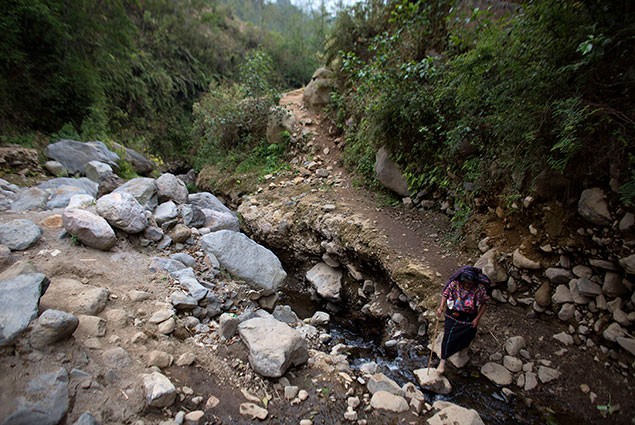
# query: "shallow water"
{"points": [[470, 389]]}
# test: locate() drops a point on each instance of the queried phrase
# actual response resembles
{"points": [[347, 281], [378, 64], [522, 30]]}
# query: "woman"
{"points": [[464, 299]]}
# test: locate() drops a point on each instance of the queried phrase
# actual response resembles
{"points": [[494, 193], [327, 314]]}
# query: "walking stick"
{"points": [[434, 340]]}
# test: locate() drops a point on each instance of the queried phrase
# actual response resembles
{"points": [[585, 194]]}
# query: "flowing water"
{"points": [[364, 337]]}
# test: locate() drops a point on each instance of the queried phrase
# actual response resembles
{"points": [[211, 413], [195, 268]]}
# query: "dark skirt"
{"points": [[458, 332]]}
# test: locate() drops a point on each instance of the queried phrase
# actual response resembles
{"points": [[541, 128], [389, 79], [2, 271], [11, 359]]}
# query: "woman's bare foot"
{"points": [[441, 367]]}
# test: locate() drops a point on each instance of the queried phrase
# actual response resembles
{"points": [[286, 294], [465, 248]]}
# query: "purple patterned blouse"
{"points": [[463, 299]]}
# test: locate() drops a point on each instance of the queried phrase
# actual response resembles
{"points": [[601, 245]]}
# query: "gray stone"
{"points": [[628, 263], [30, 199], [182, 301], [205, 200], [564, 338], [626, 343], [627, 222], [513, 364], [613, 285], [279, 120], [228, 325], [60, 188], [593, 208], [187, 279], [582, 271], [547, 374], [387, 401], [56, 169], [165, 212], [96, 170], [430, 380], [491, 267], [380, 382], [285, 313], [496, 373], [567, 312], [531, 381], [170, 188], [317, 93], [514, 344], [20, 234], [86, 419], [453, 414], [562, 295], [186, 359], [192, 215], [159, 391], [184, 258], [160, 359], [320, 318], [144, 190], [388, 173], [326, 280], [74, 297], [169, 265], [19, 300], [116, 358], [575, 293], [215, 220], [588, 288], [45, 402], [122, 211], [61, 196], [523, 262], [74, 155], [90, 229], [153, 233], [91, 326], [82, 201], [52, 326], [273, 346], [140, 163], [245, 259], [558, 276], [613, 332]]}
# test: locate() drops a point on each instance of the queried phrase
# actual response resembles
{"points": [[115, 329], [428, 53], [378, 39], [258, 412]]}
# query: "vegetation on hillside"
{"points": [[131, 71], [490, 103]]}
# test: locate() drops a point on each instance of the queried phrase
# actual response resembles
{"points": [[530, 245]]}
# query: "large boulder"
{"points": [[165, 212], [122, 211], [326, 280], [85, 185], [144, 189], [19, 303], [96, 170], [430, 380], [159, 390], [141, 165], [491, 267], [53, 326], [45, 401], [205, 200], [19, 234], [90, 229], [245, 259], [216, 220], [74, 155], [273, 346], [593, 208], [29, 199], [388, 173], [170, 188], [317, 94]]}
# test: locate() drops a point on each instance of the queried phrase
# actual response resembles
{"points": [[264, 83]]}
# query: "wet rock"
{"points": [[122, 211], [52, 326], [430, 380], [496, 373], [90, 229], [170, 188], [144, 190], [593, 208], [45, 403], [388, 401], [454, 414], [523, 262], [326, 280], [74, 297], [19, 234], [19, 300], [253, 411], [388, 173], [30, 199], [380, 382], [74, 155], [159, 391], [491, 267], [273, 346], [285, 314], [245, 259], [320, 318]]}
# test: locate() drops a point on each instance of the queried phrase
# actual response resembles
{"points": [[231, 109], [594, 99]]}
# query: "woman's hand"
{"points": [[439, 312], [475, 322]]}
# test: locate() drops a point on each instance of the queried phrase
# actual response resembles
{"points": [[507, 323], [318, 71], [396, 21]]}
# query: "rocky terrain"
{"points": [[141, 303]]}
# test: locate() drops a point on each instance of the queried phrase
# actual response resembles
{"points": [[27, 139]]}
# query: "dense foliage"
{"points": [[487, 103], [131, 71]]}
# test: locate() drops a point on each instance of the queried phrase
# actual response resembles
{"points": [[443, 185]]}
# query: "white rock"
{"points": [[453, 414], [496, 373], [160, 392], [387, 401]]}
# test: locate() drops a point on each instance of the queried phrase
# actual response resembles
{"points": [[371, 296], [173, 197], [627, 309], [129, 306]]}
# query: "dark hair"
{"points": [[470, 274]]}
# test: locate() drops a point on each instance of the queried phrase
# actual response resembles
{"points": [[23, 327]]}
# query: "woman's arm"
{"points": [[481, 310], [444, 299]]}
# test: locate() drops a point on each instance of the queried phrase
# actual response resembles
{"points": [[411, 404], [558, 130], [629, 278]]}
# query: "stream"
{"points": [[364, 335]]}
